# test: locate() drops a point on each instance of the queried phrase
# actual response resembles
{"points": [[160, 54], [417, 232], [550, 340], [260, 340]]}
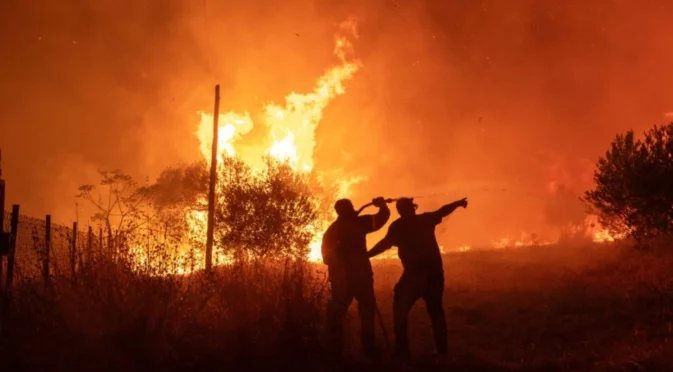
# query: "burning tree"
{"points": [[177, 189], [634, 184], [271, 213], [264, 206]]}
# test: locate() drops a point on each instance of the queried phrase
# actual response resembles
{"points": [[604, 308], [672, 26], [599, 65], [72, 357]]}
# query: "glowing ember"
{"points": [[598, 233], [591, 228], [526, 240], [603, 236], [464, 248]]}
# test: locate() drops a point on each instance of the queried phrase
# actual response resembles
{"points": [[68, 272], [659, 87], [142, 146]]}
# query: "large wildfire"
{"points": [[291, 131], [291, 128]]}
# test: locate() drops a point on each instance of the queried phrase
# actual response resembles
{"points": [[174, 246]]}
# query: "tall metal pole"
{"points": [[213, 181]]}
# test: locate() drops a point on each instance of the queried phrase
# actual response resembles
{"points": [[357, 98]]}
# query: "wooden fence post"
{"points": [[46, 253], [110, 247], [89, 246], [73, 250], [100, 241], [14, 229]]}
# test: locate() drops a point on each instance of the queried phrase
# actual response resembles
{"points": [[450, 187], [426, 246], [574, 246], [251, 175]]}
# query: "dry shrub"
{"points": [[109, 315]]}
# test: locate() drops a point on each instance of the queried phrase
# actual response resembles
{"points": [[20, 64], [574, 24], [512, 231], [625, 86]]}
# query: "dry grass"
{"points": [[548, 308]]}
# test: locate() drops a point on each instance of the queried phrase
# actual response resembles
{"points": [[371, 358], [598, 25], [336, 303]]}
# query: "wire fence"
{"points": [[45, 250], [35, 237]]}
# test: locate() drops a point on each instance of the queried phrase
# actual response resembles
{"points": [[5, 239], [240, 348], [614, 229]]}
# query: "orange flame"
{"points": [[291, 129], [599, 234]]}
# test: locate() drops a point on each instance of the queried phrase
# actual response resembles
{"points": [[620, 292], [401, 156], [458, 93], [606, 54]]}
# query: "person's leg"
{"points": [[364, 294], [404, 298], [434, 304], [336, 310]]}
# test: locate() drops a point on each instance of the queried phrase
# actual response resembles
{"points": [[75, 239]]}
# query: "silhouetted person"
{"points": [[344, 251], [423, 275]]}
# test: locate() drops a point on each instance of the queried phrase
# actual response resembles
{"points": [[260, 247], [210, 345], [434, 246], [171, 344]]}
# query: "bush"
{"points": [[116, 313], [123, 210], [273, 212], [113, 318], [634, 184], [269, 214]]}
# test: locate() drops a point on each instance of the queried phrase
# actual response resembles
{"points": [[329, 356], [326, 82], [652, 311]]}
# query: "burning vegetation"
{"points": [[272, 177], [271, 202], [136, 296]]}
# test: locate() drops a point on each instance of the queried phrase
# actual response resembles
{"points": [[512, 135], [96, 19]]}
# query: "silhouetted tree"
{"points": [[180, 185], [120, 204], [634, 184], [178, 189], [271, 213]]}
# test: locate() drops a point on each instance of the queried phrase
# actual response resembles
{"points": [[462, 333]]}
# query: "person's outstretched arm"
{"points": [[383, 245], [448, 209]]}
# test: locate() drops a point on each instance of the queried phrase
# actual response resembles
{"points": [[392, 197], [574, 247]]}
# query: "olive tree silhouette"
{"points": [[177, 190], [119, 204], [633, 191], [272, 213]]}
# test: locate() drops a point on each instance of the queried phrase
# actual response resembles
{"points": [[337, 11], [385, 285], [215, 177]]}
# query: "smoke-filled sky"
{"points": [[494, 100]]}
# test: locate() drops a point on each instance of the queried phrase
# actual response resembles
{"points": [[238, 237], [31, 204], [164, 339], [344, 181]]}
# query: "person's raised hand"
{"points": [[463, 202], [379, 202]]}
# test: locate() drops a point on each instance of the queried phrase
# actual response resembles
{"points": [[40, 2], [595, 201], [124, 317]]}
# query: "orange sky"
{"points": [[492, 100]]}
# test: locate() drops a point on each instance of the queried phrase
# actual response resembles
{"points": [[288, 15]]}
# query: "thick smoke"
{"points": [[498, 101]]}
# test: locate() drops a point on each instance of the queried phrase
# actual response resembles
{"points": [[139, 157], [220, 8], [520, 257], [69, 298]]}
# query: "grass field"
{"points": [[548, 308], [552, 308]]}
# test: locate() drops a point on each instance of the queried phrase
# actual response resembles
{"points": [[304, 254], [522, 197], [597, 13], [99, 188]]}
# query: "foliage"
{"points": [[176, 190], [271, 213], [180, 185], [113, 318], [144, 225], [558, 309], [120, 205], [634, 184]]}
